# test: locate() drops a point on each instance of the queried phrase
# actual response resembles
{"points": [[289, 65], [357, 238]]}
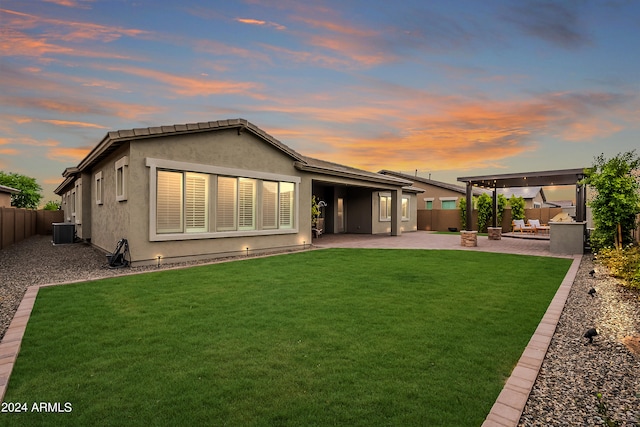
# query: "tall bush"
{"points": [[517, 207], [463, 214], [617, 199], [485, 211]]}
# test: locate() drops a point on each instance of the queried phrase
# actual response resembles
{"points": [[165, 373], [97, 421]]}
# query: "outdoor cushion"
{"points": [[534, 223], [518, 224]]}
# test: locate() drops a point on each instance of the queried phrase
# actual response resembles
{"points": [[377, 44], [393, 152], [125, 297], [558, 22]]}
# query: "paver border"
{"points": [[507, 409]]}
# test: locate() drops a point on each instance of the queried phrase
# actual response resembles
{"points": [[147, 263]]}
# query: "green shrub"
{"points": [[52, 206], [623, 264], [517, 207], [463, 214], [485, 211]]}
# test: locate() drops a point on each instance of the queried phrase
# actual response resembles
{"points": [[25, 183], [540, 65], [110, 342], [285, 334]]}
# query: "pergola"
{"points": [[545, 178]]}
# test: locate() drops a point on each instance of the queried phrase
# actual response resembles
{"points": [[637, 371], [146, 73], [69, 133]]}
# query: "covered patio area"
{"points": [[561, 177]]}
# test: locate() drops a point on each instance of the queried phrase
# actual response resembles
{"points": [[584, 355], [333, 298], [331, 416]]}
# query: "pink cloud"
{"points": [[192, 86], [67, 123], [259, 22], [68, 154]]}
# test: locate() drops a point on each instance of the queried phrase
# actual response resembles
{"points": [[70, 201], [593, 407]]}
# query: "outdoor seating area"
{"points": [[532, 226]]}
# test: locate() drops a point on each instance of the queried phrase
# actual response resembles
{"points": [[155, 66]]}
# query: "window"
{"points": [[122, 175], [182, 202], [269, 205], [246, 204], [448, 202], [226, 204], [428, 203], [169, 202], [287, 206], [99, 187], [195, 201], [405, 208], [386, 206]]}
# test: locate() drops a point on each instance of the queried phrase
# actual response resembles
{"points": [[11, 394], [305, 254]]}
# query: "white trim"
{"points": [[447, 199], [77, 206], [122, 163], [99, 188], [429, 199]]}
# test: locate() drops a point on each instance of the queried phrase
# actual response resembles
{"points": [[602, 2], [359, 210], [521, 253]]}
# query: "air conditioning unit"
{"points": [[63, 232]]}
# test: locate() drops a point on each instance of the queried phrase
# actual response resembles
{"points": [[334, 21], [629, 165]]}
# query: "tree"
{"points": [[52, 206], [617, 199], [29, 196], [517, 207]]}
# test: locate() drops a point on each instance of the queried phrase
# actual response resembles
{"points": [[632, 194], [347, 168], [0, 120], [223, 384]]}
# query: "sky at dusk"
{"points": [[449, 88]]}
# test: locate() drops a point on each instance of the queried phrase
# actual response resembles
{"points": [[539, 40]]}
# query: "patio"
{"points": [[431, 240]]}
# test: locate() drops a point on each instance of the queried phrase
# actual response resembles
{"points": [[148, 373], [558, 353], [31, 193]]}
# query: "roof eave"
{"points": [[381, 179]]}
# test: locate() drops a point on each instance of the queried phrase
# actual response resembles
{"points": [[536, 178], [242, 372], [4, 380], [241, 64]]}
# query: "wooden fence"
{"points": [[19, 224], [443, 219]]}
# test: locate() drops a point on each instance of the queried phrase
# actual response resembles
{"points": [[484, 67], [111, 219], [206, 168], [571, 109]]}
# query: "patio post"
{"points": [[468, 225], [396, 212], [495, 208]]}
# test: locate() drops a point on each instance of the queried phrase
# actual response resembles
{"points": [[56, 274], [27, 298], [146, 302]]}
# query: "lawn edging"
{"points": [[507, 409], [10, 345]]}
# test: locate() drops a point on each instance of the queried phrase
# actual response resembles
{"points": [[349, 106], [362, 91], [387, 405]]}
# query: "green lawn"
{"points": [[330, 337]]}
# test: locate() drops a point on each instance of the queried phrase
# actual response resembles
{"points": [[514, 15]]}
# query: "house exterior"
{"points": [[437, 194], [220, 188], [533, 196], [5, 195]]}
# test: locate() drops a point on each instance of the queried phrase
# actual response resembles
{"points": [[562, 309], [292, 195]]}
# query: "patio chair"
{"points": [[535, 223], [519, 225]]}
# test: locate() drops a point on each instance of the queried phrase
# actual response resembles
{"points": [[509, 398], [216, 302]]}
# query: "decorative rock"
{"points": [[469, 239]]}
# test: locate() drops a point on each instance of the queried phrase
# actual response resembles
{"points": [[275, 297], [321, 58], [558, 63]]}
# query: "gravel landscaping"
{"points": [[572, 374], [567, 388]]}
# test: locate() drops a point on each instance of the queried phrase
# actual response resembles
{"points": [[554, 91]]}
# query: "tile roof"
{"points": [[115, 139], [11, 190], [440, 184]]}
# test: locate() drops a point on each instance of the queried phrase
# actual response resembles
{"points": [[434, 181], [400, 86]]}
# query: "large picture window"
{"points": [[201, 204]]}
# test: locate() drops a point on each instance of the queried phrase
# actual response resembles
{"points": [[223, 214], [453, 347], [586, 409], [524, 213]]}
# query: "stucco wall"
{"points": [[110, 218], [435, 193], [5, 200], [382, 227]]}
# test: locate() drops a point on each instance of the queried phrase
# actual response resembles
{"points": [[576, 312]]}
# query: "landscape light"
{"points": [[590, 334]]}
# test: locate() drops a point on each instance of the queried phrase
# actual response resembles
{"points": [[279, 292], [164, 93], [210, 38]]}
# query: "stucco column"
{"points": [[396, 212]]}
